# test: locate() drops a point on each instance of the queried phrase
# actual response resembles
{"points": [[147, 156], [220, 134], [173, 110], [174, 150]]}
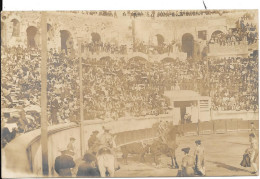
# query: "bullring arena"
{"points": [[68, 75]]}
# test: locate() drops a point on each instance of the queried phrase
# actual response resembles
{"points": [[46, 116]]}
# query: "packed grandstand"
{"points": [[115, 86]]}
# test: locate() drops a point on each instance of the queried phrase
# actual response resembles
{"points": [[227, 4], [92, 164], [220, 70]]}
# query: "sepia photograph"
{"points": [[129, 93]]}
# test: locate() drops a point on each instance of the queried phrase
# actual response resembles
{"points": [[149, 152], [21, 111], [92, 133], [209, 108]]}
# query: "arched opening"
{"points": [[32, 37], [216, 33], [188, 44], [16, 28], [160, 39], [50, 32], [138, 60], [168, 60], [3, 17], [105, 58], [95, 37], [66, 42]]}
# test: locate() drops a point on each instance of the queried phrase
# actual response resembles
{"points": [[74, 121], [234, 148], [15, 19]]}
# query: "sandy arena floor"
{"points": [[223, 154]]}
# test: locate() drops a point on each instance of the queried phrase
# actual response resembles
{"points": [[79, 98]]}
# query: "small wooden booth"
{"points": [[190, 103]]}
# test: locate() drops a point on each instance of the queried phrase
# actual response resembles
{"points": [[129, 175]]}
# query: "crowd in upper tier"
{"points": [[244, 31]]}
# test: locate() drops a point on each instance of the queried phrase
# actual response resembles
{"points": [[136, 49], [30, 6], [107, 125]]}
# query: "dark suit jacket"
{"points": [[86, 170], [63, 164]]}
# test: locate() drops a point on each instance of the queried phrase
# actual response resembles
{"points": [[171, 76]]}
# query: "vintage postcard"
{"points": [[147, 93]]}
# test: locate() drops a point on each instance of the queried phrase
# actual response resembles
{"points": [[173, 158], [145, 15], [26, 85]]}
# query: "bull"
{"points": [[134, 148]]}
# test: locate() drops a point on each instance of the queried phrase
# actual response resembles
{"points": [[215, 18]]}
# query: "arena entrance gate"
{"points": [[188, 101]]}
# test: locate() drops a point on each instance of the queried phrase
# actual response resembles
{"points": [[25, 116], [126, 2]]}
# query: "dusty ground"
{"points": [[223, 154]]}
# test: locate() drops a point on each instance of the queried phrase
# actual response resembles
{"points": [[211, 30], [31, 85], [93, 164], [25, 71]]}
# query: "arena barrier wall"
{"points": [[28, 158], [29, 154], [206, 127], [190, 129]]}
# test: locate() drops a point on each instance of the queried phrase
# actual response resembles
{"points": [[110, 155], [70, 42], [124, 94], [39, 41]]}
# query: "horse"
{"points": [[106, 162], [157, 148], [167, 145]]}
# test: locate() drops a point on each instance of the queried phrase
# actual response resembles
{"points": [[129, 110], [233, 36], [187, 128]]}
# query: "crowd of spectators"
{"points": [[244, 31], [21, 83], [116, 87], [234, 83], [21, 88], [62, 88], [98, 47], [156, 49]]}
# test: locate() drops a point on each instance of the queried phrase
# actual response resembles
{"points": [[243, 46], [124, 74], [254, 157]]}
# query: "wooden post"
{"points": [[198, 128], [133, 34], [82, 141], [173, 113], [44, 117]]}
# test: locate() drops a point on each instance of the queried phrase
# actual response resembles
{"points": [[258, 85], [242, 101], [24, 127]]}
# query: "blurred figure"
{"points": [[199, 158], [252, 128], [93, 142], [88, 168], [64, 163], [6, 135], [70, 146], [107, 140], [54, 110], [187, 164], [253, 152]]}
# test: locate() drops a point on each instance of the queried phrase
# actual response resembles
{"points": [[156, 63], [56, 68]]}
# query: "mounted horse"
{"points": [[106, 161], [165, 144]]}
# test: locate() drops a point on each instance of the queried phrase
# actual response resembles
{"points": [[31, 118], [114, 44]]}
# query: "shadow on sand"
{"points": [[228, 167]]}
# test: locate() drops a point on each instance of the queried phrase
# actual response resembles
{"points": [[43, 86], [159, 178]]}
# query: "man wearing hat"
{"points": [[187, 164], [252, 128], [199, 158], [64, 163], [93, 142], [107, 140], [253, 152], [70, 146], [88, 167]]}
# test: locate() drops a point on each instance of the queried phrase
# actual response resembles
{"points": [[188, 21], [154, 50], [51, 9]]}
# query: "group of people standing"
{"points": [[193, 165], [65, 164]]}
